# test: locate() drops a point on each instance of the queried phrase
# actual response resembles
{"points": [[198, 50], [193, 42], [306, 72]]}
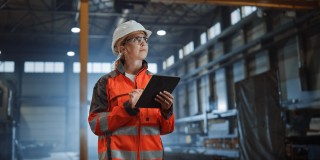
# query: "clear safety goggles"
{"points": [[137, 40]]}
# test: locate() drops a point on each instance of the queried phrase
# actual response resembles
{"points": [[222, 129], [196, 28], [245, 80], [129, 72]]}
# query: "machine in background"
{"points": [[9, 118]]}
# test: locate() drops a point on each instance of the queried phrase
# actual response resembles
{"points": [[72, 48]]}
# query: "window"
{"points": [[164, 65], [180, 53], [93, 67], [203, 38], [187, 49], [247, 10], [39, 67], [28, 67], [170, 61], [89, 67], [106, 67], [49, 67], [7, 66], [76, 67], [214, 30], [235, 16], [43, 67], [96, 67], [153, 67], [58, 67]]}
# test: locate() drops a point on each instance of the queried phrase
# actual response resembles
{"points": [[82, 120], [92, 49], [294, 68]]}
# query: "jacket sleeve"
{"points": [[104, 118], [166, 119]]}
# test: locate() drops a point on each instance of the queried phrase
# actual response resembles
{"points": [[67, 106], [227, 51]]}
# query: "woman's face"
{"points": [[136, 46]]}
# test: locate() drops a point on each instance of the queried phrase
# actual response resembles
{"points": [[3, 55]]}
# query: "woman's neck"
{"points": [[132, 67]]}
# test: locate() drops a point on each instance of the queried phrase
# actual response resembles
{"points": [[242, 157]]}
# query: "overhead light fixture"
{"points": [[161, 32], [70, 53], [75, 30]]}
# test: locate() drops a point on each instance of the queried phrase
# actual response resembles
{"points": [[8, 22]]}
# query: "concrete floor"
{"points": [[60, 156]]}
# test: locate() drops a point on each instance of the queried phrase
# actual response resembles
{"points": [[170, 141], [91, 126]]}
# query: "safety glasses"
{"points": [[137, 40]]}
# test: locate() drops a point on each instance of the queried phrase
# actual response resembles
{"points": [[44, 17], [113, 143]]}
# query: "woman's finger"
{"points": [[165, 102]]}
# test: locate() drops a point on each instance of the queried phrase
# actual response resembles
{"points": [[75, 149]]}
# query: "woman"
{"points": [[127, 132]]}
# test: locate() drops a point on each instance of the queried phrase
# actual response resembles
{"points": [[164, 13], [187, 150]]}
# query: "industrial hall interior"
{"points": [[249, 85]]}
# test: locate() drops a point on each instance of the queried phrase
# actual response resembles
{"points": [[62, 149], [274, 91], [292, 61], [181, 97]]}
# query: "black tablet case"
{"points": [[156, 84]]}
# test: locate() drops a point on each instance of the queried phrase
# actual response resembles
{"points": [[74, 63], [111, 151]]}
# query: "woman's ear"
{"points": [[123, 49]]}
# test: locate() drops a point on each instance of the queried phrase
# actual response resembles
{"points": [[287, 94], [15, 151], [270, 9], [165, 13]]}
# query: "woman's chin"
{"points": [[143, 56]]}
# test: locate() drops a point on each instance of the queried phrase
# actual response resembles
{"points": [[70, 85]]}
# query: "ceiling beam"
{"points": [[96, 14], [21, 36], [51, 53], [283, 4], [180, 26], [58, 35]]}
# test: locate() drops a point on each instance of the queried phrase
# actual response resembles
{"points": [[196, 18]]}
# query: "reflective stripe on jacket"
{"points": [[126, 133]]}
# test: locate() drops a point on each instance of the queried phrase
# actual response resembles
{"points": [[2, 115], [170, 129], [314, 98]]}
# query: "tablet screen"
{"points": [[156, 84]]}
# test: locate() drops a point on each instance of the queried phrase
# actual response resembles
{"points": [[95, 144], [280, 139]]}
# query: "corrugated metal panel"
{"points": [[289, 69], [237, 40], [259, 64], [43, 84], [256, 31], [239, 72], [191, 65], [279, 19], [181, 70], [193, 98], [204, 93], [44, 124], [262, 62], [182, 101], [221, 85], [202, 60], [218, 50]]}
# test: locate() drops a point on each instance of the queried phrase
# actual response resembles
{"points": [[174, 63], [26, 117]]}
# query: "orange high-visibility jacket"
{"points": [[126, 133]]}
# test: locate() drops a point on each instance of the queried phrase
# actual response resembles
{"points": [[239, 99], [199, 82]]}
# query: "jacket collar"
{"points": [[121, 69]]}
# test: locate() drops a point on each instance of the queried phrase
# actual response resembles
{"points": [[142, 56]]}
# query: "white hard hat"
{"points": [[126, 28]]}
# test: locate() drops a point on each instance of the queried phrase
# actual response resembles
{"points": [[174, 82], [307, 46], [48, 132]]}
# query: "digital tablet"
{"points": [[156, 84]]}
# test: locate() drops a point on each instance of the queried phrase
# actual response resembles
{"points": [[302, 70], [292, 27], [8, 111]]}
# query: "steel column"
{"points": [[84, 18]]}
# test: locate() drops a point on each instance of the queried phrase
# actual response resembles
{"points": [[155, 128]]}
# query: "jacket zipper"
{"points": [[139, 125]]}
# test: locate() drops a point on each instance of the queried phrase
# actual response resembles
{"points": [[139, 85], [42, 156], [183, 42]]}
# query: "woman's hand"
{"points": [[134, 96], [165, 99]]}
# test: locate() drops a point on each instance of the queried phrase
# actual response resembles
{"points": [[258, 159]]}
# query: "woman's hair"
{"points": [[120, 58]]}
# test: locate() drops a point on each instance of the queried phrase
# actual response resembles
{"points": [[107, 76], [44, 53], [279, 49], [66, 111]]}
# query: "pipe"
{"points": [[294, 4]]}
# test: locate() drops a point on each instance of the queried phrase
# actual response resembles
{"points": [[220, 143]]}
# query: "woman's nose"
{"points": [[143, 43]]}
